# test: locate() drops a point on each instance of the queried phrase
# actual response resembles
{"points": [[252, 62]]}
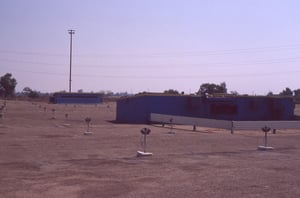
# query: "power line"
{"points": [[31, 62], [168, 54], [277, 73], [118, 66], [29, 53]]}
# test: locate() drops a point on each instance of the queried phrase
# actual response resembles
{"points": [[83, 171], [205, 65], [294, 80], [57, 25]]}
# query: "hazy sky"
{"points": [[151, 45]]}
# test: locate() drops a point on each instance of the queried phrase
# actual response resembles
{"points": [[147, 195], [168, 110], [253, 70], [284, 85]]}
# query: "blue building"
{"points": [[76, 98], [137, 109]]}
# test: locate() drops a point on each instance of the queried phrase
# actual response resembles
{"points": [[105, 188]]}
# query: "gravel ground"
{"points": [[45, 157]]}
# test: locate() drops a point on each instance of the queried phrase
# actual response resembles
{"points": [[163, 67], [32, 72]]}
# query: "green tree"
{"points": [[7, 85], [211, 88], [2, 90], [270, 93], [286, 92], [234, 93], [30, 93], [297, 94], [26, 91], [171, 91]]}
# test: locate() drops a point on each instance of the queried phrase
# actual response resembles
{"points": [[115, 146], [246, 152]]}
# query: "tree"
{"points": [[30, 93], [7, 85], [234, 93], [2, 90], [297, 94], [34, 94], [270, 93], [222, 87], [106, 92], [211, 88], [26, 91], [286, 92], [171, 91]]}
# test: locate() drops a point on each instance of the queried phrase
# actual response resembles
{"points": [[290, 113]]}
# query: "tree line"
{"points": [[214, 89], [8, 85]]}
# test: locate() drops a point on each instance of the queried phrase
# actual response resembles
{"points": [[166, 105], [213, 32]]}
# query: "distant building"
{"points": [[76, 98], [137, 109]]}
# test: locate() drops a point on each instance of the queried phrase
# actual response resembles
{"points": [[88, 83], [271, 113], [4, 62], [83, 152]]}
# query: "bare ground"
{"points": [[45, 157]]}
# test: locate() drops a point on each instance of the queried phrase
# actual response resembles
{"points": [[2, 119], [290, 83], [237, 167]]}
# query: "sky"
{"points": [[151, 45]]}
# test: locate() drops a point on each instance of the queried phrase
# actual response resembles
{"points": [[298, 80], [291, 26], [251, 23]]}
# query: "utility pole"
{"points": [[71, 32]]}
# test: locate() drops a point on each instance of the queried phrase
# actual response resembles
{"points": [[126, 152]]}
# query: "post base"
{"points": [[265, 148], [143, 154], [88, 133]]}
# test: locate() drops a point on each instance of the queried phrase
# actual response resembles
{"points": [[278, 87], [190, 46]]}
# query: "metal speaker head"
{"points": [[266, 129], [88, 119], [145, 131]]}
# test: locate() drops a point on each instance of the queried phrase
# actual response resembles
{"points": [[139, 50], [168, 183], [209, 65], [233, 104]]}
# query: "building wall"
{"points": [[137, 109], [251, 108], [77, 98]]}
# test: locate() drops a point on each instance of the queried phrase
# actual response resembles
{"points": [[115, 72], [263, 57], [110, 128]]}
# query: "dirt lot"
{"points": [[45, 157]]}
